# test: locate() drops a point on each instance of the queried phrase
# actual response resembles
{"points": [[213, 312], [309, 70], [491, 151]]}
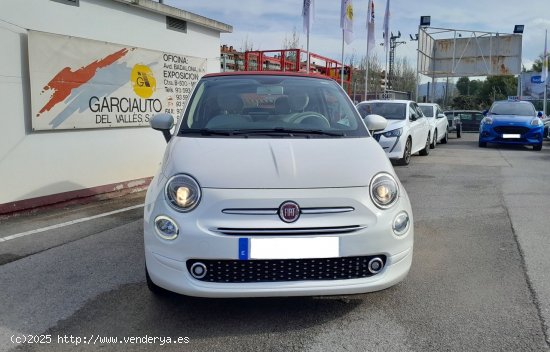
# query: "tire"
{"points": [[482, 144], [426, 149], [445, 138], [537, 147], [458, 131], [157, 290], [434, 142], [406, 159]]}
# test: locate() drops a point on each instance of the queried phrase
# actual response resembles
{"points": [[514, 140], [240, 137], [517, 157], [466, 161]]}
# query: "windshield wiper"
{"points": [[289, 131], [208, 132]]}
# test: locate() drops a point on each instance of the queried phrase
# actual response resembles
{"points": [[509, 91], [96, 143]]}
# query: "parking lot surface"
{"points": [[480, 279]]}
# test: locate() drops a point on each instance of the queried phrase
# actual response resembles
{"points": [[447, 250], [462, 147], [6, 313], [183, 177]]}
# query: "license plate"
{"points": [[293, 248], [511, 136]]}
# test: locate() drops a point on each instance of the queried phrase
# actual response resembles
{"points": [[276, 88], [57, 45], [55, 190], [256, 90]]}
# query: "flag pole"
{"points": [[386, 70], [342, 71], [307, 49], [545, 73], [367, 74]]}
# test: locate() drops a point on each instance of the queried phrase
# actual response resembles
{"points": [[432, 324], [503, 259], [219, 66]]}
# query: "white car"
{"points": [[271, 185], [438, 122], [408, 131]]}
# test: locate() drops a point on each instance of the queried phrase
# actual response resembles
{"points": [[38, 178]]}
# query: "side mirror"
{"points": [[485, 112], [375, 122], [441, 116], [413, 118], [163, 122]]}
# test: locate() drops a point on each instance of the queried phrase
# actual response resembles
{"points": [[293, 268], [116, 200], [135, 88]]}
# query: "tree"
{"points": [[466, 86], [497, 88], [404, 76], [292, 41], [467, 102], [537, 65], [247, 45]]}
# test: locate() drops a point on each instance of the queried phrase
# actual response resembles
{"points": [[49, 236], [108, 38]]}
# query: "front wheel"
{"points": [[426, 149], [537, 147], [406, 159], [445, 138], [434, 141], [482, 144]]}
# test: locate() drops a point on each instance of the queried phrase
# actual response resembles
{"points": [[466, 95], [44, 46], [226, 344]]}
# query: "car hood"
{"points": [[512, 119], [276, 163], [392, 125]]}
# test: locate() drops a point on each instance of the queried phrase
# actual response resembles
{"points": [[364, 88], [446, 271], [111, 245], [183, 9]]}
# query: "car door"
{"points": [[441, 122], [418, 125]]}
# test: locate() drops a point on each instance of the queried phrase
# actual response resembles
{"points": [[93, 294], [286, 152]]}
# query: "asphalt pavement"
{"points": [[479, 280]]}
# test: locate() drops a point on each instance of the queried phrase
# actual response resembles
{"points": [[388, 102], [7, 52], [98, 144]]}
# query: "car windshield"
{"points": [[512, 108], [272, 106], [391, 111], [427, 110]]}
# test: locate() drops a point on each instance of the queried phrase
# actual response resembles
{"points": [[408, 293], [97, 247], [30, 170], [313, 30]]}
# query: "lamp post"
{"points": [[393, 45]]}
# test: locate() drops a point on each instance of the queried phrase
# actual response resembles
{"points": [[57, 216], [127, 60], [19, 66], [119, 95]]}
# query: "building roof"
{"points": [[163, 9]]}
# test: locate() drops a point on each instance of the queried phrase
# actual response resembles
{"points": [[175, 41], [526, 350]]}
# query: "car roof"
{"points": [[446, 111], [513, 101], [267, 73], [428, 104], [386, 101]]}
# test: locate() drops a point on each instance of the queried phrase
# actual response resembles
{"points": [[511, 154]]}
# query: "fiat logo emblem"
{"points": [[289, 211]]}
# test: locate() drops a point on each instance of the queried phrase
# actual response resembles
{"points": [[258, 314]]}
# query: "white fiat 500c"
{"points": [[272, 185]]}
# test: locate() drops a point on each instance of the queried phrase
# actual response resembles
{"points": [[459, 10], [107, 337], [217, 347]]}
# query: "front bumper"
{"points": [[393, 146], [520, 135], [168, 261]]}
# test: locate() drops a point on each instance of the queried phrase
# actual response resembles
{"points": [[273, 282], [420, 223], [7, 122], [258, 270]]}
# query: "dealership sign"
{"points": [[536, 79], [532, 86], [81, 83]]}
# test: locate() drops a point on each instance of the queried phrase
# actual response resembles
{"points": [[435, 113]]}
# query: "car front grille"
{"points": [[333, 230], [511, 129], [277, 270]]}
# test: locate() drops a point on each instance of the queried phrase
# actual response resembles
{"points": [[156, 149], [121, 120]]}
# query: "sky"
{"points": [[266, 23]]}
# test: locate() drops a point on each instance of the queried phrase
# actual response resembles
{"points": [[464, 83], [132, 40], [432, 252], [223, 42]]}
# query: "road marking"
{"points": [[68, 223]]}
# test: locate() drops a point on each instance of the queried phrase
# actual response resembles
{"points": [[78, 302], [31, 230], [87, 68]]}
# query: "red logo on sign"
{"points": [[289, 211]]}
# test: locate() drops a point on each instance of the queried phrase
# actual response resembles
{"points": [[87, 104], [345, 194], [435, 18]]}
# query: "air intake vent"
{"points": [[68, 2], [176, 24]]}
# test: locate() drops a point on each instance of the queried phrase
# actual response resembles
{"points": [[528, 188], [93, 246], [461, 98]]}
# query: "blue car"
{"points": [[512, 122]]}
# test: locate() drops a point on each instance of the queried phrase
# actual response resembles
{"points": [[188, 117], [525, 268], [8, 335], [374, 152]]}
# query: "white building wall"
{"points": [[35, 164]]}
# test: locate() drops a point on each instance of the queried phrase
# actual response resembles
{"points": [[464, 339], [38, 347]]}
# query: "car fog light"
{"points": [[401, 223], [375, 265], [166, 227], [198, 270]]}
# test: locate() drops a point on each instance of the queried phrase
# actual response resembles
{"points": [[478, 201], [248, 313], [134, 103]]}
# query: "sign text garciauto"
{"points": [[81, 83]]}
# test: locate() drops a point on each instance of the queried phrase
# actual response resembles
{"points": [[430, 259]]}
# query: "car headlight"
{"points": [[384, 191], [393, 133], [487, 121], [536, 122], [183, 193]]}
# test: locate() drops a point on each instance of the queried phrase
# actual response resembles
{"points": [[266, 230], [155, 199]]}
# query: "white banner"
{"points": [[81, 83]]}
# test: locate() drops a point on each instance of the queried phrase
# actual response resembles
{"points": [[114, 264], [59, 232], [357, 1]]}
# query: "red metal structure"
{"points": [[295, 60]]}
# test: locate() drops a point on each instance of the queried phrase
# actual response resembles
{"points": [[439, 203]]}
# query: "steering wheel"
{"points": [[310, 118]]}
